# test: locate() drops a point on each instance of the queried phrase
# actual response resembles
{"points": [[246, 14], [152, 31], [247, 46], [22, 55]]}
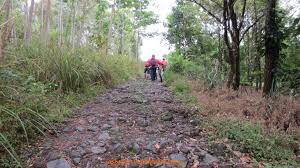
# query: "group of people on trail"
{"points": [[152, 65]]}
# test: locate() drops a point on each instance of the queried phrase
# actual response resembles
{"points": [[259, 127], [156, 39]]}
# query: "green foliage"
{"points": [[197, 48], [198, 69], [289, 64], [129, 16], [250, 138], [185, 29]]}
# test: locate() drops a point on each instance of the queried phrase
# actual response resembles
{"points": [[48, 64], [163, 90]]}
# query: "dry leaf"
{"points": [[245, 159], [195, 164], [237, 153], [157, 146]]}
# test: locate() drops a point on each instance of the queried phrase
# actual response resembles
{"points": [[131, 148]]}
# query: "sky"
{"points": [[159, 46]]}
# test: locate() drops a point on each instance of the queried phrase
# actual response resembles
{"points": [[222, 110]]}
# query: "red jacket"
{"points": [[157, 61], [147, 64]]}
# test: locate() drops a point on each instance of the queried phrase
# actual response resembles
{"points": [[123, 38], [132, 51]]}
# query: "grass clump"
{"points": [[178, 83], [179, 86]]}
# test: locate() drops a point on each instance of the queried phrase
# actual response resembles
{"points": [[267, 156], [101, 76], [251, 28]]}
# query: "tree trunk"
{"points": [[72, 36], [272, 44], [248, 59], [257, 67], [220, 56], [25, 19], [60, 40], [235, 45], [230, 19], [5, 32], [82, 23], [236, 51], [137, 45], [111, 24], [13, 33], [29, 23], [42, 18], [46, 21], [121, 48], [230, 59]]}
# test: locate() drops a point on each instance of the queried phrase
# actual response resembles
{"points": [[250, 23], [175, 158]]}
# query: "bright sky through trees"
{"points": [[157, 45]]}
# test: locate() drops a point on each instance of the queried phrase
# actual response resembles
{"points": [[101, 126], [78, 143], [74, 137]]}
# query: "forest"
{"points": [[237, 60], [228, 42]]}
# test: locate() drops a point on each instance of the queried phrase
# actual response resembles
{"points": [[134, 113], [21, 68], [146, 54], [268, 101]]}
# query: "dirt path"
{"points": [[139, 120]]}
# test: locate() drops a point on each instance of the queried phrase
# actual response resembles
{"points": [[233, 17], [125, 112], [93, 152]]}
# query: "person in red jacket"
{"points": [[164, 64], [146, 70], [153, 64]]}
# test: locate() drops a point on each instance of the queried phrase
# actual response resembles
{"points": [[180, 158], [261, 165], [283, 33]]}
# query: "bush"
{"points": [[192, 69], [177, 63]]}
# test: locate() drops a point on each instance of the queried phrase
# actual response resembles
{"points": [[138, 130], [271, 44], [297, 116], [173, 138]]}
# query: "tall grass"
{"points": [[69, 70], [39, 85]]}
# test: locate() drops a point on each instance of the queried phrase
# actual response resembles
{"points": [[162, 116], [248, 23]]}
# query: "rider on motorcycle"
{"points": [[154, 63]]}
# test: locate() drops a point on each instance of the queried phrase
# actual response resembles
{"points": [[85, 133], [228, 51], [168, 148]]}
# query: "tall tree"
{"points": [[5, 31], [257, 62], [42, 18], [28, 30], [110, 29], [61, 25], [272, 44], [46, 13]]}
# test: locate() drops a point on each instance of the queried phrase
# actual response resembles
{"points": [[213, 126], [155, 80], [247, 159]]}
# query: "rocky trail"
{"points": [[131, 123]]}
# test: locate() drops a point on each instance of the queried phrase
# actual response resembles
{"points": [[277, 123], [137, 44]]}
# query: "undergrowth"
{"points": [[40, 85], [273, 149]]}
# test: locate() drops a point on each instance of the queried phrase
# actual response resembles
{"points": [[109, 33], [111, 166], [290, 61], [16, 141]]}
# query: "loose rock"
{"points": [[167, 117], [60, 163], [181, 158], [53, 155], [98, 150], [93, 128], [209, 159], [79, 129], [104, 136]]}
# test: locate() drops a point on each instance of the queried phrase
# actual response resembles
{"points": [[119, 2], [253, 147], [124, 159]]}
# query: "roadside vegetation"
{"points": [[239, 60], [38, 92], [265, 142]]}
